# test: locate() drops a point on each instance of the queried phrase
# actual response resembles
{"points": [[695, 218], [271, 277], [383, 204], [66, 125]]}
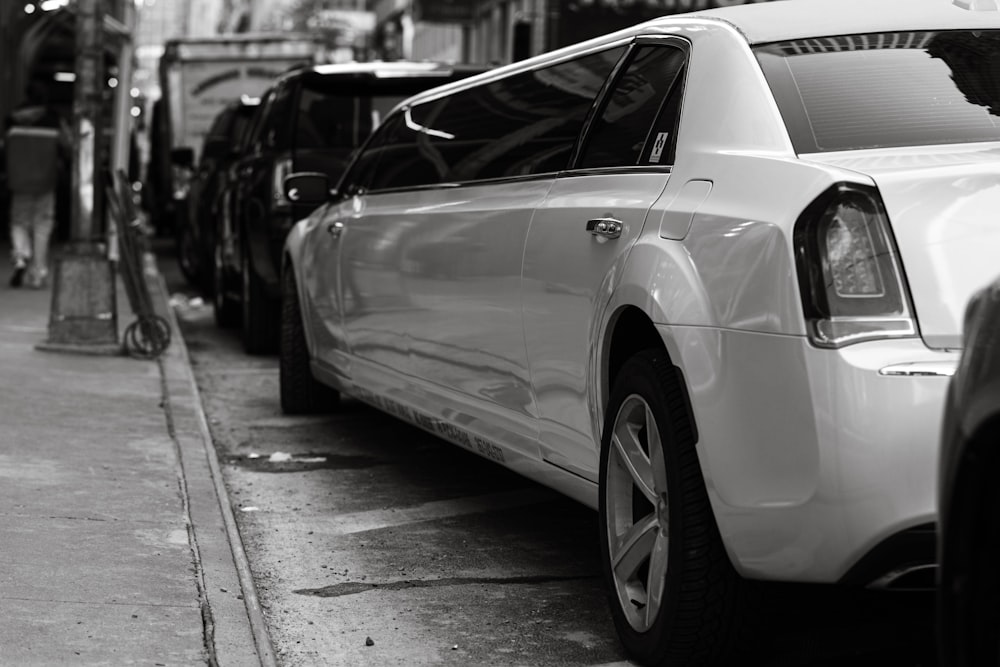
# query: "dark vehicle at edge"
{"points": [[312, 120], [969, 494], [196, 236]]}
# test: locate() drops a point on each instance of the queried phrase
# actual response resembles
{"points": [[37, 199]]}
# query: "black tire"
{"points": [[227, 310], [301, 393], [696, 620], [260, 322], [188, 256]]}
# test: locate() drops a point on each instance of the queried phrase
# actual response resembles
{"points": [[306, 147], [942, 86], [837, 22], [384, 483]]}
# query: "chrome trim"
{"points": [[888, 580], [416, 127], [921, 369]]}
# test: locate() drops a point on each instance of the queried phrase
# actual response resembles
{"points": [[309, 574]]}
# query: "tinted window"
{"points": [[257, 123], [889, 89], [327, 119], [220, 124], [276, 133], [618, 134], [521, 125], [241, 124], [363, 171]]}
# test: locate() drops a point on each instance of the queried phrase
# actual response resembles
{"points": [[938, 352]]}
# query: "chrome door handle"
{"points": [[335, 228], [608, 228]]}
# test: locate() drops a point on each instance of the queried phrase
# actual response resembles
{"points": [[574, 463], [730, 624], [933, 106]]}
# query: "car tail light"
{"points": [[282, 168], [850, 275]]}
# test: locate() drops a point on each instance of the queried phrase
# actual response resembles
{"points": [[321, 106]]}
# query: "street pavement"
{"points": [[115, 545]]}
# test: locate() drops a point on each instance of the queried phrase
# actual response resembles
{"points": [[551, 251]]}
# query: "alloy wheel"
{"points": [[638, 521]]}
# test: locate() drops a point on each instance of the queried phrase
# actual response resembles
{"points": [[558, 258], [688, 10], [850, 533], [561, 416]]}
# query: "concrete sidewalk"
{"points": [[115, 546]]}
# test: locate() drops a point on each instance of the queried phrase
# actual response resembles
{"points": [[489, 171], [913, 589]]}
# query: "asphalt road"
{"points": [[372, 542]]}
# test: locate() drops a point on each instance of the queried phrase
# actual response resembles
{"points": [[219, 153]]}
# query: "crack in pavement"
{"points": [[355, 587]]}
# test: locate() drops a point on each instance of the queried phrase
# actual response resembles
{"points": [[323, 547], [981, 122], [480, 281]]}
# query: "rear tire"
{"points": [[301, 393], [188, 256], [227, 310], [673, 593], [260, 330]]}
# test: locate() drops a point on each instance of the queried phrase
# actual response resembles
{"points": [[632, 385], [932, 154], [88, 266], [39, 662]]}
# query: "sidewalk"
{"points": [[115, 546]]}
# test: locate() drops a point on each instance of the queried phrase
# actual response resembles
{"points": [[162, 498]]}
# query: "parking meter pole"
{"points": [[83, 315]]}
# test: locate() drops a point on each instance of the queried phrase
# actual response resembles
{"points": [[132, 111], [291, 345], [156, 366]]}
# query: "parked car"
{"points": [[969, 498], [705, 275], [312, 119], [196, 236]]}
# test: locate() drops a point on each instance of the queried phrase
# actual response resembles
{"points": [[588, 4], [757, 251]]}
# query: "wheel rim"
{"points": [[637, 513]]}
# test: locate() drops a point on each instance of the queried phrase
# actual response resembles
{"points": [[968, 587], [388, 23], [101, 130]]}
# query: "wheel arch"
{"points": [[629, 331]]}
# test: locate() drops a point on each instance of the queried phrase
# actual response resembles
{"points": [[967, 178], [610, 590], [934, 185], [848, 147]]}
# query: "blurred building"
{"points": [[503, 31], [38, 53]]}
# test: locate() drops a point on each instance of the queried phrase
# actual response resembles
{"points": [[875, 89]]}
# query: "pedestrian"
{"points": [[36, 142]]}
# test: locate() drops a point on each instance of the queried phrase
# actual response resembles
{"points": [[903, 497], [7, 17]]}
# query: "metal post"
{"points": [[84, 317]]}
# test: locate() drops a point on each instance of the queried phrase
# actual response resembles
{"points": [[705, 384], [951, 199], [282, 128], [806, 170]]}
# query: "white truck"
{"points": [[198, 78]]}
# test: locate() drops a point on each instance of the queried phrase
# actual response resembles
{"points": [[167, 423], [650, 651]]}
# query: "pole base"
{"points": [[84, 313]]}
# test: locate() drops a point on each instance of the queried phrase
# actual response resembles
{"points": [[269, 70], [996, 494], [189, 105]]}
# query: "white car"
{"points": [[705, 274]]}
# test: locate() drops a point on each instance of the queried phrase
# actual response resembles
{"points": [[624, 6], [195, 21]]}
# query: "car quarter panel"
{"points": [[804, 471]]}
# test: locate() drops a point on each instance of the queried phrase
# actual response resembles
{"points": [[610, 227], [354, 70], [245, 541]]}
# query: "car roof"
{"points": [[781, 20]]}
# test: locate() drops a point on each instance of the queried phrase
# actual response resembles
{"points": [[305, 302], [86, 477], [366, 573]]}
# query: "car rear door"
{"points": [[581, 235], [432, 265]]}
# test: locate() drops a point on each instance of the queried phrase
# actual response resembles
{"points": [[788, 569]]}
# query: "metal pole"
{"points": [[7, 50], [86, 120], [84, 314]]}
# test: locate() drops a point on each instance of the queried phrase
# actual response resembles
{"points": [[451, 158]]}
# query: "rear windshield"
{"points": [[339, 121], [886, 89], [337, 112]]}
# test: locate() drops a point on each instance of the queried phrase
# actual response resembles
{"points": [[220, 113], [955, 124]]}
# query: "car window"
{"points": [[253, 142], [241, 124], [327, 119], [275, 130], [361, 175], [886, 90], [641, 93], [522, 125], [220, 124]]}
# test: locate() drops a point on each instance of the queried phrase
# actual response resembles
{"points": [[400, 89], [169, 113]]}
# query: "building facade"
{"points": [[493, 32]]}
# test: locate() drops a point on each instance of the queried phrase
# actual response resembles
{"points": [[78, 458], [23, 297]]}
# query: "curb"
{"points": [[255, 614]]}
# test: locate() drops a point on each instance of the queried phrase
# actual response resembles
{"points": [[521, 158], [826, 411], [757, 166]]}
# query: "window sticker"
{"points": [[658, 146]]}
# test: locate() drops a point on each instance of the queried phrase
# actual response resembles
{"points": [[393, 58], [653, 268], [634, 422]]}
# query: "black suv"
{"points": [[311, 120], [196, 230]]}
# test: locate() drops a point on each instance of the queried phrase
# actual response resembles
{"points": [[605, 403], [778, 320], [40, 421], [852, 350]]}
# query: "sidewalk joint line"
{"points": [[113, 603]]}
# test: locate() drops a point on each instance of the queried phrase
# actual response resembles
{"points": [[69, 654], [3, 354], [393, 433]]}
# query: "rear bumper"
{"points": [[907, 559], [815, 462]]}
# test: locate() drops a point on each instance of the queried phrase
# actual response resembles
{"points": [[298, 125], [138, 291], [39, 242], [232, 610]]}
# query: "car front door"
{"points": [[581, 236]]}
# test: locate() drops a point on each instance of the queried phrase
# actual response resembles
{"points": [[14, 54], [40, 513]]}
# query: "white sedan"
{"points": [[705, 275]]}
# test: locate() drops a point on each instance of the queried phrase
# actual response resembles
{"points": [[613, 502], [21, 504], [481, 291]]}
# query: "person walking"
{"points": [[36, 138]]}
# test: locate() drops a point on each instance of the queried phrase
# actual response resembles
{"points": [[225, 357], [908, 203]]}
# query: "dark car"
{"points": [[311, 120], [196, 233], [969, 494]]}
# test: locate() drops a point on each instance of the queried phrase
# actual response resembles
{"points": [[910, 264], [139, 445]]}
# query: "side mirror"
{"points": [[307, 187], [182, 157]]}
